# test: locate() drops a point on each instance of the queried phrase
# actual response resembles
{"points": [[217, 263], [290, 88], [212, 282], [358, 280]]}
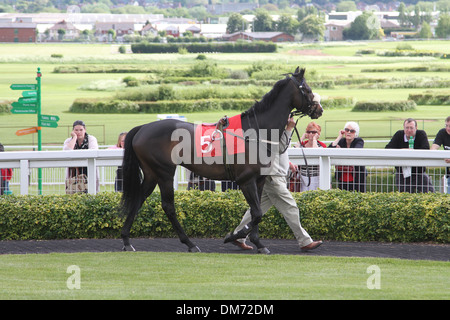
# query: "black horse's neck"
{"points": [[272, 111]]}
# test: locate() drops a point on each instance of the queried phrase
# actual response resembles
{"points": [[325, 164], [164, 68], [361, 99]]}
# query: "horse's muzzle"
{"points": [[316, 111]]}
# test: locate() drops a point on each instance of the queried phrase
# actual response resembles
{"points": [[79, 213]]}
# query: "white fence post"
{"points": [[24, 172], [92, 176], [325, 173]]}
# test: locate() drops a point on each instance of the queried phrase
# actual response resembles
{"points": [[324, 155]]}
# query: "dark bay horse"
{"points": [[152, 152]]}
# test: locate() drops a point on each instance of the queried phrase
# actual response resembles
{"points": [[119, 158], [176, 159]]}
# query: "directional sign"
{"points": [[21, 105], [23, 132], [29, 93], [48, 124], [46, 117], [28, 99], [23, 110], [23, 86]]}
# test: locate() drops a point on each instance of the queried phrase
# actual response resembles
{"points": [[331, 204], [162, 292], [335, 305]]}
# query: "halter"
{"points": [[309, 101], [301, 115]]}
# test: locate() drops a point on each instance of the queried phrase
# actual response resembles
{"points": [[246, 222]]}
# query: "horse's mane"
{"points": [[268, 98]]}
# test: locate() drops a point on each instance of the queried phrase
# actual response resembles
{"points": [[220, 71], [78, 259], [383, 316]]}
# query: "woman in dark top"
{"points": [[351, 178]]}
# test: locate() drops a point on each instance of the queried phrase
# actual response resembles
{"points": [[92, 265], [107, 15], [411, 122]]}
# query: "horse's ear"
{"points": [[302, 73], [297, 70]]}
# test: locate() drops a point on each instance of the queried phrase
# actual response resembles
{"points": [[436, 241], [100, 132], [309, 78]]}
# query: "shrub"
{"points": [[430, 98], [337, 102], [131, 81], [201, 57], [5, 106], [122, 49], [385, 106], [102, 106], [330, 215]]}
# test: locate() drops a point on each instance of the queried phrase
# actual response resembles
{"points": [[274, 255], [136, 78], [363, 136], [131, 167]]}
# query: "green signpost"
{"points": [[30, 103]]}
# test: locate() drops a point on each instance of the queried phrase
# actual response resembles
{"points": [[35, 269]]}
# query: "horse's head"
{"points": [[306, 102]]}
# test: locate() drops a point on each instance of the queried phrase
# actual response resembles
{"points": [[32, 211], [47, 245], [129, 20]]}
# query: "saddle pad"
{"points": [[206, 146]]}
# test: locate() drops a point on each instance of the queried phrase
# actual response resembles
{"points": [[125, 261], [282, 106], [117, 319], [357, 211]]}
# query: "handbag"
{"points": [[77, 183]]}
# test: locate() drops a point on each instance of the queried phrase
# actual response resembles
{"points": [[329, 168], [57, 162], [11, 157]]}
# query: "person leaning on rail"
{"points": [[79, 140]]}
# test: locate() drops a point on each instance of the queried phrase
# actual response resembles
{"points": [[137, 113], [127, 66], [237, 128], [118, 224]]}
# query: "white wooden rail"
{"points": [[326, 158]]}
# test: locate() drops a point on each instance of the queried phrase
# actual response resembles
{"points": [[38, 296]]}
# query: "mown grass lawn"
{"points": [[143, 275]]}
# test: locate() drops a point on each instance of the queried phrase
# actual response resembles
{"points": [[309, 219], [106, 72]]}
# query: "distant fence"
{"points": [[101, 164]]}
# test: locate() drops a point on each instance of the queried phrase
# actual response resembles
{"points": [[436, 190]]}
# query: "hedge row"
{"points": [[385, 106], [228, 47], [430, 98], [329, 215], [410, 69], [409, 53], [124, 106]]}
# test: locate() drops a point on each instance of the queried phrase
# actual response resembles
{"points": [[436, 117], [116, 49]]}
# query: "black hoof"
{"points": [[229, 238], [194, 249], [263, 250], [124, 248]]}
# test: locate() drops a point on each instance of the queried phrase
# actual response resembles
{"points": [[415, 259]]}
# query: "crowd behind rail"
{"points": [[360, 178]]}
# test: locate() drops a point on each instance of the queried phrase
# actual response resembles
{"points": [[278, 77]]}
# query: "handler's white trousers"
{"points": [[275, 193]]}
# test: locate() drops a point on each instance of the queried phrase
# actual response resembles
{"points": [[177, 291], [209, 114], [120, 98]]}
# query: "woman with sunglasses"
{"points": [[351, 178], [307, 177]]}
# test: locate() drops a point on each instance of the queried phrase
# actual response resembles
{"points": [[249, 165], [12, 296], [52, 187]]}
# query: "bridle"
{"points": [[310, 102], [301, 114]]}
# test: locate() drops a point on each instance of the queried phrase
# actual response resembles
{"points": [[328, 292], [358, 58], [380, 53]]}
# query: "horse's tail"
{"points": [[132, 176]]}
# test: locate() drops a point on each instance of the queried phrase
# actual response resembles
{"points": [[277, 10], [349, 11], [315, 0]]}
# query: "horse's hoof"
{"points": [[194, 249], [130, 246], [263, 250], [229, 237]]}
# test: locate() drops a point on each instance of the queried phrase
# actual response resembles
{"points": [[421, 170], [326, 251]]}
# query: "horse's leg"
{"points": [[148, 186], [168, 205], [252, 194], [254, 233]]}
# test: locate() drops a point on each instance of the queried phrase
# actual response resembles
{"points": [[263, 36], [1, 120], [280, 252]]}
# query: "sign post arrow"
{"points": [[17, 86], [23, 132]]}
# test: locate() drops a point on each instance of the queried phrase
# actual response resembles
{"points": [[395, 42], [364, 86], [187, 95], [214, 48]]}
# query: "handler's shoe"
{"points": [[313, 245], [242, 245]]}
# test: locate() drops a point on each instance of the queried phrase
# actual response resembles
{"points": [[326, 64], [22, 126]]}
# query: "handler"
{"points": [[275, 193]]}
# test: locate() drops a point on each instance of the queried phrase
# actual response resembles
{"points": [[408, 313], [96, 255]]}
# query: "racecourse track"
{"points": [[413, 251]]}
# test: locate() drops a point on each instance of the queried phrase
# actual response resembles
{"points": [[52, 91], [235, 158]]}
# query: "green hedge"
{"points": [[123, 106], [229, 47], [329, 215], [385, 106], [430, 98]]}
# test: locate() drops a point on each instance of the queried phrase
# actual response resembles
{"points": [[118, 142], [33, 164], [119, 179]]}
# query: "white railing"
{"points": [[327, 159]]}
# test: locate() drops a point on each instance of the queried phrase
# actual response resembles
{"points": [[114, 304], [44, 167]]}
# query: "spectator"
{"points": [[76, 178], [351, 178], [118, 181], [443, 139], [307, 178], [5, 176], [275, 193], [411, 179], [200, 183]]}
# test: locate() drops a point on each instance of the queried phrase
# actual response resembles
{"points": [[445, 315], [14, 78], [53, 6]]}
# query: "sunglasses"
{"points": [[313, 132], [350, 130]]}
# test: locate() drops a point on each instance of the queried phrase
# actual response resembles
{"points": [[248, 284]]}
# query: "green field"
{"points": [[18, 64], [143, 275]]}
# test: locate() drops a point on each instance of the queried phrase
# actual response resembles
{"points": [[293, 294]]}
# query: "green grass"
{"points": [[143, 275]]}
